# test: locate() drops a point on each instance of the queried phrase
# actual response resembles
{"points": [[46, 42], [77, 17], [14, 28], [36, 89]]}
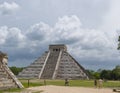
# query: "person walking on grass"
{"points": [[66, 82], [95, 83]]}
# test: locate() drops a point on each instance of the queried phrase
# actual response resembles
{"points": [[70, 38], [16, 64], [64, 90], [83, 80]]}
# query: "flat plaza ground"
{"points": [[68, 89]]}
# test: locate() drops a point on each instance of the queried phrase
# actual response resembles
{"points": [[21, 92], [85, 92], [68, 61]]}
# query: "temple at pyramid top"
{"points": [[56, 63], [58, 47]]}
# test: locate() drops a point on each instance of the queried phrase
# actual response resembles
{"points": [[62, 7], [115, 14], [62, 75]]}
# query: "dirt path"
{"points": [[67, 89]]}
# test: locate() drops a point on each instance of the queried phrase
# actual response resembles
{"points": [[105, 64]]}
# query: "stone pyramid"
{"points": [[7, 78], [56, 63]]}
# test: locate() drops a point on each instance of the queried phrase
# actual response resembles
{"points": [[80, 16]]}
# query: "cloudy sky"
{"points": [[89, 28]]}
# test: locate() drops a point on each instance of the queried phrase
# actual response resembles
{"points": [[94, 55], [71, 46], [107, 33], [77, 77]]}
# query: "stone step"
{"points": [[7, 87], [3, 78], [30, 74], [3, 75], [1, 71], [37, 63], [3, 82], [32, 71], [27, 76], [32, 68], [24, 74], [35, 66], [50, 65], [7, 83]]}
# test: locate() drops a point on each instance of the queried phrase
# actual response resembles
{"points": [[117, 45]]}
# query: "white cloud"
{"points": [[68, 23], [15, 37], [111, 19], [3, 34], [8, 8], [11, 37]]}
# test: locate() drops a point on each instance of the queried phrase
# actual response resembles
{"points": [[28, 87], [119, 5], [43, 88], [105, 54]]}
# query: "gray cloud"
{"points": [[90, 33], [8, 8], [82, 43], [38, 31]]}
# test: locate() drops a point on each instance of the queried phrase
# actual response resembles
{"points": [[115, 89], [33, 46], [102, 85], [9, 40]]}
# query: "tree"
{"points": [[91, 73], [96, 75], [116, 73], [16, 70], [106, 74]]}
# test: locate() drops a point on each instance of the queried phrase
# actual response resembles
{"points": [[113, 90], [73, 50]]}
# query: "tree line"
{"points": [[113, 74]]}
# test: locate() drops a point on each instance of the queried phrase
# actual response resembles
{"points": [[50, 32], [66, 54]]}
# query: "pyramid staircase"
{"points": [[50, 65]]}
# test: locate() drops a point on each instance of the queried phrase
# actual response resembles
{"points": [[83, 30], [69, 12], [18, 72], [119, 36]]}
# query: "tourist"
{"points": [[95, 83], [44, 82], [100, 83], [66, 82]]}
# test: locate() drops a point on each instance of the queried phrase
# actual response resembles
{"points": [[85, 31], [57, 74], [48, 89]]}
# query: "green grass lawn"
{"points": [[78, 83]]}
